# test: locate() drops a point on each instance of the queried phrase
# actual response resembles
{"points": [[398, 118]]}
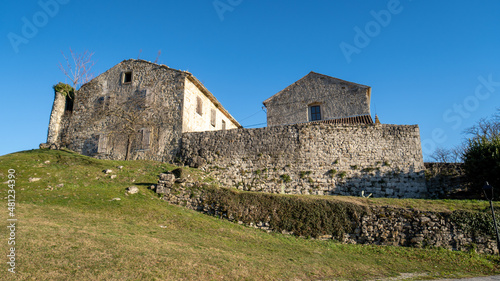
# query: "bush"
{"points": [[482, 162], [64, 89], [303, 216]]}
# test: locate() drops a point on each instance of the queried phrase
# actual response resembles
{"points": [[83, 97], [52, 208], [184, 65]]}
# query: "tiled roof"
{"points": [[360, 119]]}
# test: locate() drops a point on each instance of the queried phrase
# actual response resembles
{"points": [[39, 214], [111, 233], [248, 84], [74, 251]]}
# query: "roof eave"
{"points": [[212, 98]]}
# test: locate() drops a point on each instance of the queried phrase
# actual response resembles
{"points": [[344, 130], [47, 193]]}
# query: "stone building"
{"points": [[135, 110], [318, 97]]}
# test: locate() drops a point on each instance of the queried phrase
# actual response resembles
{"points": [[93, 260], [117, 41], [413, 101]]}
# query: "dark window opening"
{"points": [[69, 104], [127, 77], [223, 125], [315, 112]]}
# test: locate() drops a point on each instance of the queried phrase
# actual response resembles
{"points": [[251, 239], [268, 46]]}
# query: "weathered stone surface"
{"points": [[443, 179], [322, 159], [56, 117], [44, 146], [337, 98], [180, 173], [167, 177], [132, 189], [138, 119]]}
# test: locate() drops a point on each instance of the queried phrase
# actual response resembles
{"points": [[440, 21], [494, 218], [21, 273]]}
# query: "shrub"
{"points": [[64, 89], [286, 178], [303, 174], [482, 162]]}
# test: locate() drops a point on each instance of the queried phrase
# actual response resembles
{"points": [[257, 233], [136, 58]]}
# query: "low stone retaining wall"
{"points": [[356, 224], [444, 179]]}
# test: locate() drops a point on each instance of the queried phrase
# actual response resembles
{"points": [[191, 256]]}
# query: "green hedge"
{"points": [[302, 216]]}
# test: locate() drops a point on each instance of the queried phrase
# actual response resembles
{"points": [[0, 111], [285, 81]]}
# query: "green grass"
{"points": [[75, 232]]}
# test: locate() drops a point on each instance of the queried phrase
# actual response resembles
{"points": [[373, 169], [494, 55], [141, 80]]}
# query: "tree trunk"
{"points": [[127, 154]]}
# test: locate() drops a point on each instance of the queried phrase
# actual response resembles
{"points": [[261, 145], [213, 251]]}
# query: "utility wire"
{"points": [[252, 115]]}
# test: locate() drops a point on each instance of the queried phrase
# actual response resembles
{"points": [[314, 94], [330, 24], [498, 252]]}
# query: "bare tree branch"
{"points": [[79, 68], [157, 56]]}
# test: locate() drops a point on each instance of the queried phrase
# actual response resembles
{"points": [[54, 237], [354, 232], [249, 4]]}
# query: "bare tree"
{"points": [[79, 68], [486, 127], [132, 114], [157, 56]]}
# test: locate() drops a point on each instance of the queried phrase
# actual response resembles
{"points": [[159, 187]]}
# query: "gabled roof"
{"points": [[195, 81], [313, 74]]}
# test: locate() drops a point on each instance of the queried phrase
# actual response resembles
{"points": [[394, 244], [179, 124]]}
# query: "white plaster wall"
{"points": [[194, 122]]}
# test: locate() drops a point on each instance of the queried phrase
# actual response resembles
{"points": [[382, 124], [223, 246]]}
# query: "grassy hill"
{"points": [[71, 227]]}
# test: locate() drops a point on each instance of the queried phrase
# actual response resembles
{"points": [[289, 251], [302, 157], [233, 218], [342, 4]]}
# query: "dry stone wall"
{"points": [[378, 225], [445, 179], [322, 159]]}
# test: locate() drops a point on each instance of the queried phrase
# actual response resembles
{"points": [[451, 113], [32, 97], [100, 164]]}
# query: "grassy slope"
{"points": [[76, 232]]}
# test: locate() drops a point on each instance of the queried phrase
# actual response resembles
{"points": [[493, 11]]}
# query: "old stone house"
{"points": [[142, 110], [136, 110], [317, 97]]}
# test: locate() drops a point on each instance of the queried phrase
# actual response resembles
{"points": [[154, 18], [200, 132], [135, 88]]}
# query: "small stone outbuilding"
{"points": [[320, 98]]}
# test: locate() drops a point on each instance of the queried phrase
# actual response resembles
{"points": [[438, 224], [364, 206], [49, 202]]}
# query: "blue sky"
{"points": [[431, 63]]}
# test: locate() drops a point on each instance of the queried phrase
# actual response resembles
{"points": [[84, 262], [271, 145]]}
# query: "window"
{"points": [[102, 143], [199, 106], [127, 77], [212, 117], [314, 113], [223, 125], [69, 104]]}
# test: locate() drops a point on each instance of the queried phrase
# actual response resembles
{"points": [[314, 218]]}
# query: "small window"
{"points": [[199, 106], [223, 125], [127, 77], [212, 117], [314, 113]]}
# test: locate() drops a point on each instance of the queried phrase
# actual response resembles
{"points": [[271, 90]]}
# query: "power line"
{"points": [[252, 115]]}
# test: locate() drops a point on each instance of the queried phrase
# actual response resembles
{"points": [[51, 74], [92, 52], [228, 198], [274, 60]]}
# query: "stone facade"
{"points": [[135, 110], [322, 159], [333, 98]]}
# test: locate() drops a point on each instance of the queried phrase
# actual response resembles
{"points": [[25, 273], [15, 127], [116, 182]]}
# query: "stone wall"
{"points": [[385, 160], [56, 117], [336, 98], [444, 179], [116, 119], [378, 225]]}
